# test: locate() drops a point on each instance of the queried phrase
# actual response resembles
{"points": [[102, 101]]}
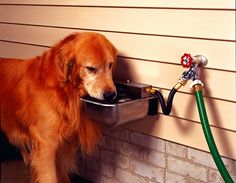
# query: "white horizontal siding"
{"points": [[148, 21], [211, 4], [157, 48]]}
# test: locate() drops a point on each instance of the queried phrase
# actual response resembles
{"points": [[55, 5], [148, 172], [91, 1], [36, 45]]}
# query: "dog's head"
{"points": [[87, 60]]}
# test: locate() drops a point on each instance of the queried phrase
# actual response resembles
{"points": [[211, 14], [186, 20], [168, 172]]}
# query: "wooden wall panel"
{"points": [[156, 48], [229, 4], [180, 109], [12, 50], [218, 84], [187, 109], [162, 22]]}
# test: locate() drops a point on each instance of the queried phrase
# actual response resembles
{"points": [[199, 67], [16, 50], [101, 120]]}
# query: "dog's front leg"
{"points": [[43, 166]]}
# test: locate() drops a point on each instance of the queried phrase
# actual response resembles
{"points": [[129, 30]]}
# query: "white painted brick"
{"points": [[174, 178], [108, 143], [115, 159], [123, 162], [139, 152], [183, 167], [105, 179], [142, 154], [151, 181], [131, 150], [127, 177], [107, 170], [107, 131], [234, 178], [147, 170], [206, 159], [176, 149], [148, 141], [215, 177], [108, 156], [89, 175], [192, 180], [201, 157], [93, 164], [230, 165], [95, 153], [121, 134], [157, 159], [145, 160], [96, 165], [125, 148]]}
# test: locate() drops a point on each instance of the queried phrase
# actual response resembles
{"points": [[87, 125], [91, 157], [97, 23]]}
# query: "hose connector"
{"points": [[152, 90], [181, 82], [197, 85]]}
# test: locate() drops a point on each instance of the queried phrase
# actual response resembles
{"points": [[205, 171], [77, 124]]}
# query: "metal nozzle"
{"points": [[200, 60]]}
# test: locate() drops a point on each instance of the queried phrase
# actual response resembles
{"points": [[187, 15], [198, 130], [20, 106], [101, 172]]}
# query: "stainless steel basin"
{"points": [[131, 104]]}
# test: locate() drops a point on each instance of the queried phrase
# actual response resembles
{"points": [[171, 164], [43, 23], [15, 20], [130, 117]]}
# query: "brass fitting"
{"points": [[152, 90], [197, 87], [181, 82]]}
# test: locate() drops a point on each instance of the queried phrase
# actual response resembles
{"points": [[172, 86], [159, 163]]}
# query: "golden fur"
{"points": [[40, 107]]}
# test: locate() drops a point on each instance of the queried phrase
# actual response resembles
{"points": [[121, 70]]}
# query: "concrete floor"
{"points": [[14, 171]]}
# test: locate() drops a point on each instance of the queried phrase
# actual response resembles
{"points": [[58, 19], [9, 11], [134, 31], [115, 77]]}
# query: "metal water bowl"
{"points": [[132, 103]]}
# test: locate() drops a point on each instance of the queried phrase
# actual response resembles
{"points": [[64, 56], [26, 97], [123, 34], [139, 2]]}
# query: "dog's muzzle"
{"points": [[109, 96]]}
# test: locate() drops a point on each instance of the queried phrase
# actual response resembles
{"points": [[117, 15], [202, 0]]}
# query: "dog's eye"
{"points": [[91, 68]]}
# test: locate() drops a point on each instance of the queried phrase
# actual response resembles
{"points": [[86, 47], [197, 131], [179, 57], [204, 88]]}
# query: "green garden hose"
{"points": [[208, 134]]}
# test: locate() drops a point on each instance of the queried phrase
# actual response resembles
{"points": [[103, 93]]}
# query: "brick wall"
{"points": [[126, 156]]}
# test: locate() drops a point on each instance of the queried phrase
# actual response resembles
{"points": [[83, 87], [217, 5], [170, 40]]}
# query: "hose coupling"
{"points": [[152, 90], [197, 85], [181, 82]]}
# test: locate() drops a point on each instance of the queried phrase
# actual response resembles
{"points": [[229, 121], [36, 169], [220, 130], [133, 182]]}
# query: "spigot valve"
{"points": [[186, 60]]}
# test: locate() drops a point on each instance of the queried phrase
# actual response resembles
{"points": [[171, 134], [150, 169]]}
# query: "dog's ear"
{"points": [[66, 57], [66, 66], [70, 67]]}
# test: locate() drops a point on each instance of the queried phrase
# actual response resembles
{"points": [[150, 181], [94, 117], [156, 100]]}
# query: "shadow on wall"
{"points": [[122, 151], [213, 110], [123, 156], [123, 71]]}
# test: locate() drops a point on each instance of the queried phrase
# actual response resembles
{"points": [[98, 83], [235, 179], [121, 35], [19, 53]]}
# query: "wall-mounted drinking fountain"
{"points": [[134, 101]]}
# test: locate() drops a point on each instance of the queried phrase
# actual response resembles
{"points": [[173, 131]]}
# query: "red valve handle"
{"points": [[186, 60]]}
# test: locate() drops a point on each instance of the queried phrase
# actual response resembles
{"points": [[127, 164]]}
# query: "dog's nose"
{"points": [[108, 96]]}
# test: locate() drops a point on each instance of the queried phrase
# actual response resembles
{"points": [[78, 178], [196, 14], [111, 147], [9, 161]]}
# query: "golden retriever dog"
{"points": [[41, 112]]}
